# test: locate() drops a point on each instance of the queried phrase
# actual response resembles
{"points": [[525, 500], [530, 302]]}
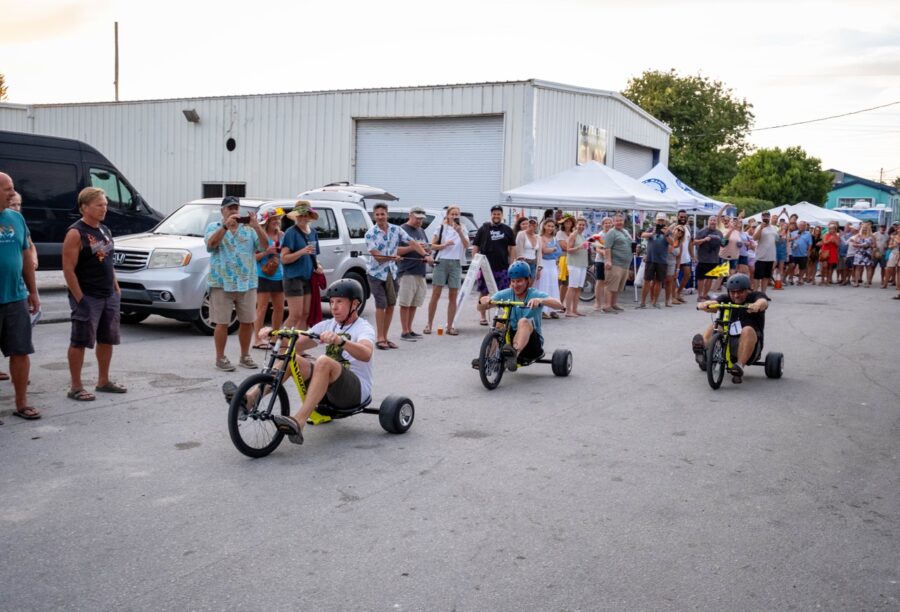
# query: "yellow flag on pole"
{"points": [[720, 270]]}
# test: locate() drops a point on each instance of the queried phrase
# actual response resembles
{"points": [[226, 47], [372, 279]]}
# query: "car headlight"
{"points": [[169, 258]]}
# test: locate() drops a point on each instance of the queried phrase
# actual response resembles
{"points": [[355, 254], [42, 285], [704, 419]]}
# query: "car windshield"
{"points": [[191, 220]]}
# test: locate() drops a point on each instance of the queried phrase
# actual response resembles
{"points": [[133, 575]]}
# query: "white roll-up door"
{"points": [[434, 162], [632, 159]]}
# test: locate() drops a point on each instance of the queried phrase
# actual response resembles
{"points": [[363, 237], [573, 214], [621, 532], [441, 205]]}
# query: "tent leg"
{"points": [[634, 257]]}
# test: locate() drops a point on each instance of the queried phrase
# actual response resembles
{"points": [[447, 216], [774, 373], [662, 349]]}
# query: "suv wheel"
{"points": [[205, 326], [365, 285]]}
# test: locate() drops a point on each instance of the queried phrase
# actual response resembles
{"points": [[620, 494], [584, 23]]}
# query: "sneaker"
{"points": [[737, 374], [655, 305], [247, 362], [699, 348], [618, 309], [417, 336], [224, 364], [409, 337], [640, 307], [509, 356]]}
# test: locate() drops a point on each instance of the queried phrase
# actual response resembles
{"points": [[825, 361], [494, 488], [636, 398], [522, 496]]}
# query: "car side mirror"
{"points": [[136, 203]]}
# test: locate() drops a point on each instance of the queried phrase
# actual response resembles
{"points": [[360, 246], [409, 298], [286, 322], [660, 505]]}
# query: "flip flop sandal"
{"points": [[427, 330], [4, 376], [111, 387], [263, 346], [81, 395], [392, 345], [452, 331], [483, 322], [288, 426], [381, 345], [28, 413]]}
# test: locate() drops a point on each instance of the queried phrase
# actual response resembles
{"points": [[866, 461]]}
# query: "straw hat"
{"points": [[302, 207]]}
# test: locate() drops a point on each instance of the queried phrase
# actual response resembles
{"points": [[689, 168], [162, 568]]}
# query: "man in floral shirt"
{"points": [[386, 244], [232, 280]]}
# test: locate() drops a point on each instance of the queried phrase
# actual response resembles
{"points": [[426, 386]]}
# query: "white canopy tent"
{"points": [[590, 186], [812, 214], [662, 180]]}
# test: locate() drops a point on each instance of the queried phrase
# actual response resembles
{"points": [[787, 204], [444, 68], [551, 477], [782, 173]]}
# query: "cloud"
{"points": [[39, 21]]}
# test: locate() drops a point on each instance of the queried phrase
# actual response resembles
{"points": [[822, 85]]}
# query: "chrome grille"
{"points": [[130, 260]]}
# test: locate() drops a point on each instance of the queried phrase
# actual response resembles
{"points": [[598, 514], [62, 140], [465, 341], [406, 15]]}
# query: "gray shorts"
{"points": [[447, 272], [297, 287], [384, 291], [15, 329], [95, 319], [344, 392]]}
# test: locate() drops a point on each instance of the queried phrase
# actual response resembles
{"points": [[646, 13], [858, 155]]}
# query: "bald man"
{"points": [[18, 296]]}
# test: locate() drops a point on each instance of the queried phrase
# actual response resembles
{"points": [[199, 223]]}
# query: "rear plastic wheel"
{"points": [[561, 363], [774, 365], [396, 414]]}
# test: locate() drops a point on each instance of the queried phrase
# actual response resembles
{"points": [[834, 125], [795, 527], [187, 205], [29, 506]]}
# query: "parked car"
{"points": [[49, 172], [431, 224], [164, 271]]}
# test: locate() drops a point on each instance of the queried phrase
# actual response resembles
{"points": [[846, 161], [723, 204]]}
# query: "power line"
{"points": [[857, 112]]}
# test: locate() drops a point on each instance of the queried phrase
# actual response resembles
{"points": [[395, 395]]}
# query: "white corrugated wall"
{"points": [[14, 118], [287, 143]]}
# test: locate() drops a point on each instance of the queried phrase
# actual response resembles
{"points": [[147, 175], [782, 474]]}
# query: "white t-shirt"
{"points": [[358, 330], [765, 248], [450, 237]]}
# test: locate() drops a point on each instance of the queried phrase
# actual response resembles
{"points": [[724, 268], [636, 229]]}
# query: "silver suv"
{"points": [[164, 271]]}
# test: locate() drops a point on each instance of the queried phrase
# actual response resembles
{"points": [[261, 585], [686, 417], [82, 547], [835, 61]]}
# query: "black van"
{"points": [[49, 172]]}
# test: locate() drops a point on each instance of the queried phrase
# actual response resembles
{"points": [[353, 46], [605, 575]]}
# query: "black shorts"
{"points": [[95, 319], [267, 285], [705, 268], [599, 271], [15, 329], [344, 392], [763, 269], [801, 262], [655, 272], [534, 349], [296, 287]]}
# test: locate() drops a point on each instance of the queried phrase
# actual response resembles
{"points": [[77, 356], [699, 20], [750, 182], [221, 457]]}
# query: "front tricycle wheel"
{"points": [[715, 360], [490, 360], [250, 422]]}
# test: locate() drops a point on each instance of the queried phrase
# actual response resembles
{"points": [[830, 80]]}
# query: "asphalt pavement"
{"points": [[630, 485]]}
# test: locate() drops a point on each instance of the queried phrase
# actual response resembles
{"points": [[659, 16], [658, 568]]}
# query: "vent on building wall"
{"points": [[220, 190]]}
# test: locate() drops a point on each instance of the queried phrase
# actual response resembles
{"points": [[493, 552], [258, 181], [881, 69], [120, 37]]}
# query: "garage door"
{"points": [[632, 159], [433, 162]]}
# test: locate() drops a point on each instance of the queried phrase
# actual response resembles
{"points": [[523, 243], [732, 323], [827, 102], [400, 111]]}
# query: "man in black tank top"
{"points": [[87, 261]]}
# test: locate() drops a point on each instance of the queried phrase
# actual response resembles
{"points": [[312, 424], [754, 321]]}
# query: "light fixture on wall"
{"points": [[191, 115]]}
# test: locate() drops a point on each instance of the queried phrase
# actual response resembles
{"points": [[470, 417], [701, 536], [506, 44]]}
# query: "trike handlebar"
{"points": [[721, 305], [506, 303], [290, 332]]}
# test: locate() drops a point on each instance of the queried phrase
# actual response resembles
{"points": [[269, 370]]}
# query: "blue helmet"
{"points": [[519, 269]]}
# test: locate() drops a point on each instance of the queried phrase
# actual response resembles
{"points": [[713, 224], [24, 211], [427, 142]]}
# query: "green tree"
{"points": [[749, 206], [2, 88], [896, 183], [709, 125], [781, 176]]}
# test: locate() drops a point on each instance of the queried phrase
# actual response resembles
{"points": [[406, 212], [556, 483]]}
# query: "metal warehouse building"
{"points": [[428, 145]]}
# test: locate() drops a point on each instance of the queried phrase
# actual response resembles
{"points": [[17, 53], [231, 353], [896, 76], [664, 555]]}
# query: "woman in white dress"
{"points": [[547, 274]]}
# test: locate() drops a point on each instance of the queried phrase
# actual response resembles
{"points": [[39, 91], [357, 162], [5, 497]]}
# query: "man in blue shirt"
{"points": [[18, 296], [525, 321], [801, 241]]}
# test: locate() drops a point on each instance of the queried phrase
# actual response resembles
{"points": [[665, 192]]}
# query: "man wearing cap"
{"points": [[687, 249], [496, 241], [655, 265], [765, 237], [232, 279], [411, 271], [386, 244]]}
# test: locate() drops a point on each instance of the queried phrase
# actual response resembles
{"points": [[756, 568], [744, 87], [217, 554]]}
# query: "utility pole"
{"points": [[881, 175], [116, 81]]}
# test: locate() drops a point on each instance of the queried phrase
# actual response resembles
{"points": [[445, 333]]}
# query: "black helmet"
{"points": [[345, 288], [738, 282]]}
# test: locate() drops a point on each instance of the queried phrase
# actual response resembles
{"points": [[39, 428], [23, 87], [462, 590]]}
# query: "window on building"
{"points": [[849, 202], [220, 190]]}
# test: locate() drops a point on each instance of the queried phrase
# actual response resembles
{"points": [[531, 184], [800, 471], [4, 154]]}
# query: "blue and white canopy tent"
{"points": [[662, 180]]}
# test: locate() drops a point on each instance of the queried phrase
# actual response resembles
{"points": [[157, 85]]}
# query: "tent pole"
{"points": [[634, 255]]}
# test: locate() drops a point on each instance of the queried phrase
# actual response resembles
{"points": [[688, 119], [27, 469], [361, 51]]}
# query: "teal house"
{"points": [[848, 190]]}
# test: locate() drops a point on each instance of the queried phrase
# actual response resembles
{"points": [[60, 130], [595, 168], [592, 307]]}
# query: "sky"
{"points": [[792, 60]]}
